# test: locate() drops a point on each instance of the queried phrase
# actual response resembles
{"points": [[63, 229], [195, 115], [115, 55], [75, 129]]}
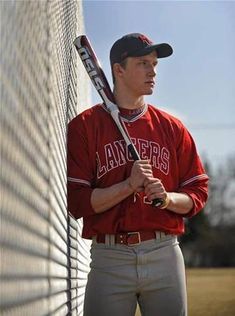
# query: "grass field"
{"points": [[211, 292]]}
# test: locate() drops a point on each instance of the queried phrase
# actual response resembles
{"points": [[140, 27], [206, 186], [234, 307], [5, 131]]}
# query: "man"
{"points": [[135, 253]]}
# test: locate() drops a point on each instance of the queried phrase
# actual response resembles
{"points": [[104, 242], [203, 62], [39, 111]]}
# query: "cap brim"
{"points": [[163, 50]]}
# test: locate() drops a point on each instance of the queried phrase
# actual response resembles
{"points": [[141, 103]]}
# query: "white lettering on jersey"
{"points": [[154, 154], [111, 160], [116, 154], [143, 148], [165, 156], [121, 149], [101, 170]]}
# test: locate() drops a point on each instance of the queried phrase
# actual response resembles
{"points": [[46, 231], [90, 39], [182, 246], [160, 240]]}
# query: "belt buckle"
{"points": [[131, 234]]}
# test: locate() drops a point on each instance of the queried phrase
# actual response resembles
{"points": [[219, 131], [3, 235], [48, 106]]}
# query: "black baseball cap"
{"points": [[136, 44]]}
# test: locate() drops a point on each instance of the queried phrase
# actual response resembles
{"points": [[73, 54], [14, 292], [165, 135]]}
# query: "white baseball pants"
{"points": [[151, 273]]}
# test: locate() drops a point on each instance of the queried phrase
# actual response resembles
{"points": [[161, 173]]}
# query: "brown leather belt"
{"points": [[130, 239]]}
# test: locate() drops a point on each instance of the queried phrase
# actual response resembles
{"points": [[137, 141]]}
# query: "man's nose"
{"points": [[152, 72]]}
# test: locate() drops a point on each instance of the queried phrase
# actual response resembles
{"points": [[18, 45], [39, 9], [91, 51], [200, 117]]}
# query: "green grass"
{"points": [[211, 292]]}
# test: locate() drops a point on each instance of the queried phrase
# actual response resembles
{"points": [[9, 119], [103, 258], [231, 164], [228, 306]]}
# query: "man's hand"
{"points": [[140, 173], [179, 203], [154, 188]]}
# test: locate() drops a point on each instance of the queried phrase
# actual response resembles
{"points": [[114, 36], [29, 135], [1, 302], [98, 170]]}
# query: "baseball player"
{"points": [[135, 255]]}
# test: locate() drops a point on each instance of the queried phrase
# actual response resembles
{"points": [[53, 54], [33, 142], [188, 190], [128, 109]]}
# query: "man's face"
{"points": [[139, 74]]}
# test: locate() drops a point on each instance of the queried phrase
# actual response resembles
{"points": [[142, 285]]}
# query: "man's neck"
{"points": [[128, 101]]}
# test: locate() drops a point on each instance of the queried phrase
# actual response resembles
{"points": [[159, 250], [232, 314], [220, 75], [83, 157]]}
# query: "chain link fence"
{"points": [[44, 262]]}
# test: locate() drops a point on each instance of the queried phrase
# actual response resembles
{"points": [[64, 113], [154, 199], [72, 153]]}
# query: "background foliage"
{"points": [[209, 240]]}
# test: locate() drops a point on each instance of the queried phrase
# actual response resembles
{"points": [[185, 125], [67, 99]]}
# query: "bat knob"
{"points": [[158, 202]]}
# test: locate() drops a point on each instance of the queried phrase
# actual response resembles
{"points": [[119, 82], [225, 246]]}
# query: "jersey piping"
{"points": [[78, 181], [196, 178]]}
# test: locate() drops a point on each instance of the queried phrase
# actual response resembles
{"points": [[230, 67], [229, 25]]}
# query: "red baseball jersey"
{"points": [[98, 158]]}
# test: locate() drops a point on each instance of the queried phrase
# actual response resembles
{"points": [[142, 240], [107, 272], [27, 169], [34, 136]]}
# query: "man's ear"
{"points": [[118, 70]]}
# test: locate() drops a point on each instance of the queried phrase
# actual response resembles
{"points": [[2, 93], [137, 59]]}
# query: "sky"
{"points": [[197, 83]]}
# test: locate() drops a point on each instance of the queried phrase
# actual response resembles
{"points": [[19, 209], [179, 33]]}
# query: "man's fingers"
{"points": [[154, 189], [143, 163], [150, 181], [141, 171], [144, 168]]}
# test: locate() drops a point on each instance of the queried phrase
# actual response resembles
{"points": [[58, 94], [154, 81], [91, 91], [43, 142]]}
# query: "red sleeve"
{"points": [[193, 179], [79, 170]]}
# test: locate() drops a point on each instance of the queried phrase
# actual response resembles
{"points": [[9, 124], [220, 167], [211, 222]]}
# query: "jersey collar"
{"points": [[130, 115], [133, 115]]}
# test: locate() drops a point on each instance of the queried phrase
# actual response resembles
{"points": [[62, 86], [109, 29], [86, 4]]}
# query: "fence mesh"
{"points": [[44, 262]]}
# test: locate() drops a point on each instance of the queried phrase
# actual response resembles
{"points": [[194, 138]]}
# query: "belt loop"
{"points": [[107, 240], [111, 240], [94, 240], [158, 235]]}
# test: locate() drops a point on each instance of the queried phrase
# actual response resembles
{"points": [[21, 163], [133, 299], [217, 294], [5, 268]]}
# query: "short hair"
{"points": [[122, 64]]}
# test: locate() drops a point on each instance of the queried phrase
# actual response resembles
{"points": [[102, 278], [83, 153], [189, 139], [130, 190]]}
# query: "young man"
{"points": [[135, 253]]}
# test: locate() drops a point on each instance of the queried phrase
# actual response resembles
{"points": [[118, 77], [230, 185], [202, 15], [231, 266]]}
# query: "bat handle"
{"points": [[157, 202], [134, 154]]}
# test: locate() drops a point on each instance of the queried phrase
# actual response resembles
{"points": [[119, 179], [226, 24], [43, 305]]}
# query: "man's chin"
{"points": [[149, 92]]}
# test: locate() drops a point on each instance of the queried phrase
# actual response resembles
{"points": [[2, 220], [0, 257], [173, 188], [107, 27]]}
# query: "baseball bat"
{"points": [[100, 82]]}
